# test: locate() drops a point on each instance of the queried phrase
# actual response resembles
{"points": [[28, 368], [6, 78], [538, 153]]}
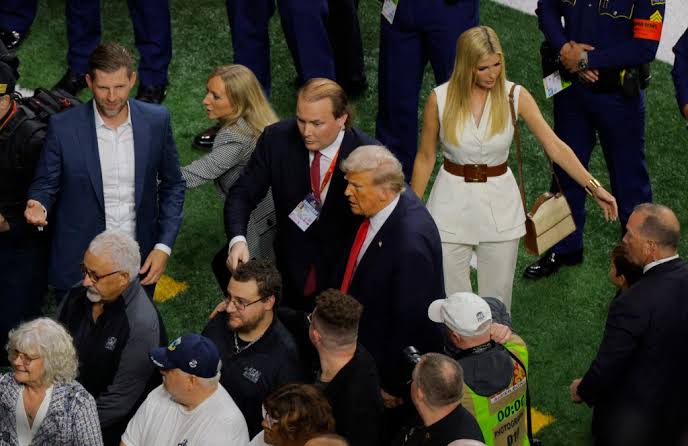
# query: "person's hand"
{"points": [[390, 401], [220, 308], [570, 54], [4, 225], [35, 213], [607, 202], [573, 389], [499, 333], [155, 265], [238, 254], [589, 76]]}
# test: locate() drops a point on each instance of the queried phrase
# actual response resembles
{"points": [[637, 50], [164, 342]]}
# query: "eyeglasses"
{"points": [[93, 276], [23, 357], [239, 305]]}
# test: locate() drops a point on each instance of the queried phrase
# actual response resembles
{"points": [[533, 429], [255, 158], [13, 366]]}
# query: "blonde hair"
{"points": [[385, 166], [473, 46], [246, 96], [319, 88]]}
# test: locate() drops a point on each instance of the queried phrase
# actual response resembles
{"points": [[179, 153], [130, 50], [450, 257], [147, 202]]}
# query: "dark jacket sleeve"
{"points": [[171, 189], [680, 71], [549, 21], [634, 51], [46, 180], [626, 323], [249, 189]]}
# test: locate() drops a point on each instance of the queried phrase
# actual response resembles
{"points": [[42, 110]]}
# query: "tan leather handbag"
{"points": [[550, 219]]}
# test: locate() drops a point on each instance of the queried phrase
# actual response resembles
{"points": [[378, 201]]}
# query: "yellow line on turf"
{"points": [[167, 288], [540, 420]]}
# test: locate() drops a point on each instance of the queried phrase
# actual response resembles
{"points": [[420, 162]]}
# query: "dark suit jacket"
{"points": [[398, 277], [68, 182], [281, 161], [354, 395], [640, 364]]}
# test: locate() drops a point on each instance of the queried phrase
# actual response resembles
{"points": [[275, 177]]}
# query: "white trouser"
{"points": [[496, 268]]}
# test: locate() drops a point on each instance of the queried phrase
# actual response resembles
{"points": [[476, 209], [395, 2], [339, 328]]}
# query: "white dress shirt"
{"points": [[647, 267], [117, 167], [376, 222]]}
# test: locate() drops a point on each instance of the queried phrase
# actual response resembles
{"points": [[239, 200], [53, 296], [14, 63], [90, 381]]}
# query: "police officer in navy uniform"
{"points": [[605, 46], [420, 31], [152, 32], [305, 27], [680, 73], [16, 17]]}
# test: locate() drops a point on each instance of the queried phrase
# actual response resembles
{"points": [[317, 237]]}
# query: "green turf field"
{"points": [[560, 318]]}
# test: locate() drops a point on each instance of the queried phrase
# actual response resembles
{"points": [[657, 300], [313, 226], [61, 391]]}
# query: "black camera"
{"points": [[411, 355]]}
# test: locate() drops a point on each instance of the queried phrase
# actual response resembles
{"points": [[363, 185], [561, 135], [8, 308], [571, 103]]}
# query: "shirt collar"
{"points": [[379, 219], [99, 119], [650, 265], [330, 151]]}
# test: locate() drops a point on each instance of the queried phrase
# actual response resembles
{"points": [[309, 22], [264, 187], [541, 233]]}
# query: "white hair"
{"points": [[466, 443], [49, 340], [385, 166], [208, 383], [122, 250]]}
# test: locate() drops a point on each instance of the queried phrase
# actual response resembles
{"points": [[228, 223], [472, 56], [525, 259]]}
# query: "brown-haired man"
{"points": [[347, 374], [299, 159], [258, 353], [110, 163]]}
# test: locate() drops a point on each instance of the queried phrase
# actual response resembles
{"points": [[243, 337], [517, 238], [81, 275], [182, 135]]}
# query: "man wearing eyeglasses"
{"points": [[114, 325], [258, 353]]}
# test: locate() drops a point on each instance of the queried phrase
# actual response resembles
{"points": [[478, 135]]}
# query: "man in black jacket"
{"points": [[258, 353], [114, 325], [633, 383], [300, 160], [347, 374], [23, 249]]}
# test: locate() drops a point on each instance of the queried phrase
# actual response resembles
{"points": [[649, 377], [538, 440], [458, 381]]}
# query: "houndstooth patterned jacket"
{"points": [[231, 151], [71, 420]]}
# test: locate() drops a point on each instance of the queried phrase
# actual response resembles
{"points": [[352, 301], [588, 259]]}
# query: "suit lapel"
{"points": [[142, 138], [86, 137], [377, 248]]}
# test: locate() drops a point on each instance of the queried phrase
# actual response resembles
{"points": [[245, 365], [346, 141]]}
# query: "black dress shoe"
{"points": [[355, 88], [204, 140], [71, 82], [153, 94], [550, 264], [11, 39]]}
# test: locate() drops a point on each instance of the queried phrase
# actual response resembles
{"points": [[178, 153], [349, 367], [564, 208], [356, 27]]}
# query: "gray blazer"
{"points": [[231, 151], [71, 420]]}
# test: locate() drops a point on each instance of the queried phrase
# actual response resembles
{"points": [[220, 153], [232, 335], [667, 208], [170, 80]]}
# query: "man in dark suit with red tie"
{"points": [[299, 159], [394, 267]]}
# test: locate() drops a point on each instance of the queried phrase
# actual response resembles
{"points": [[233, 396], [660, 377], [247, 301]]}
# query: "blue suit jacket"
{"points": [[68, 182], [398, 277]]}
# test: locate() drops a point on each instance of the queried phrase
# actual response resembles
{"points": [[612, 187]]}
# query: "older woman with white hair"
{"points": [[40, 401]]}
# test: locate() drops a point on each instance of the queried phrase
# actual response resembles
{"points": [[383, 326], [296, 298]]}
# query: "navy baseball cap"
{"points": [[191, 353]]}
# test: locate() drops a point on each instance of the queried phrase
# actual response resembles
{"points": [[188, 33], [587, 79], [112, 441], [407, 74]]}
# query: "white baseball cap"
{"points": [[465, 313]]}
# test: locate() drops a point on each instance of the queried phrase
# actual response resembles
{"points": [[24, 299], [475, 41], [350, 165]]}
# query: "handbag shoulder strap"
{"points": [[519, 156]]}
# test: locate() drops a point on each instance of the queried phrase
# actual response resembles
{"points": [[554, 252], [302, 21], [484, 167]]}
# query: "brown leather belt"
{"points": [[475, 173]]}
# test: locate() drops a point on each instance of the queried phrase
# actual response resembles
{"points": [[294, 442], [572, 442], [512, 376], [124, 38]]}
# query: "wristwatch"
{"points": [[583, 62]]}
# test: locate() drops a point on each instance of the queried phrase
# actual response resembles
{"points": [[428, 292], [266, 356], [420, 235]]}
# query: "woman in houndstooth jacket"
{"points": [[234, 98], [41, 404]]}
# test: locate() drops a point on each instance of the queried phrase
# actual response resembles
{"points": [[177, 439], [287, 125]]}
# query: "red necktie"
{"points": [[315, 175], [310, 285], [353, 255]]}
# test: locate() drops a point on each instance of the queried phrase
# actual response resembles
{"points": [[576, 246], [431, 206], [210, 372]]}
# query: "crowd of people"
{"points": [[349, 316]]}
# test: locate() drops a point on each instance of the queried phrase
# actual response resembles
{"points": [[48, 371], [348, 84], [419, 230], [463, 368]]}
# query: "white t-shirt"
{"points": [[162, 421]]}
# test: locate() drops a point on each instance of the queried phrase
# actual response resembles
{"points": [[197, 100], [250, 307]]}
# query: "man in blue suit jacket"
{"points": [[394, 267], [108, 164]]}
